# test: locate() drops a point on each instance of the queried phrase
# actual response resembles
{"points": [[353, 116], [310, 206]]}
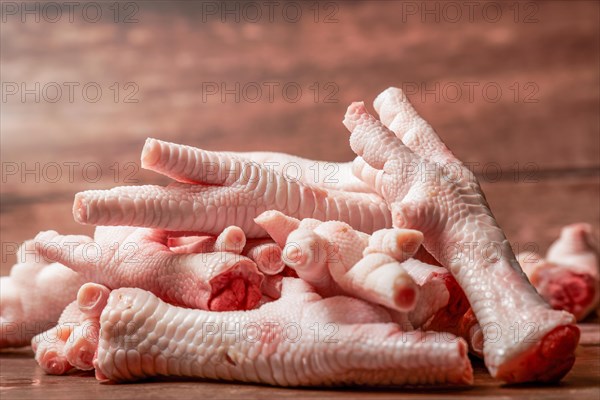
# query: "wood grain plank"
{"points": [[368, 49]]}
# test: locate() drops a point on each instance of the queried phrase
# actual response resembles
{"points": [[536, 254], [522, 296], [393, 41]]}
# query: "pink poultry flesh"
{"points": [[237, 271], [569, 277]]}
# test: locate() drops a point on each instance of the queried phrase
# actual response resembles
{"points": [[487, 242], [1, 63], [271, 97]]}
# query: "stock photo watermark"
{"points": [[325, 12], [68, 172], [328, 92], [125, 12], [455, 172], [269, 91], [131, 334], [453, 12], [69, 92], [318, 173], [264, 332], [472, 92], [92, 253]]}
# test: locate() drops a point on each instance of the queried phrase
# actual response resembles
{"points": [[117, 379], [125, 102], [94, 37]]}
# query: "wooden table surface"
{"points": [[21, 378], [529, 126]]}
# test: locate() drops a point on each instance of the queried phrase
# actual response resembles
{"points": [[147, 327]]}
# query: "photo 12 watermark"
{"points": [[472, 91], [69, 92], [453, 12], [92, 12], [324, 12], [269, 92], [68, 172]]}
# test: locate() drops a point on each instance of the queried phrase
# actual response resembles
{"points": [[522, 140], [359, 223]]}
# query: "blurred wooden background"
{"points": [[528, 101], [167, 56]]}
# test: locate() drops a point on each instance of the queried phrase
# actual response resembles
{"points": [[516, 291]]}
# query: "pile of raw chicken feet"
{"points": [[389, 272]]}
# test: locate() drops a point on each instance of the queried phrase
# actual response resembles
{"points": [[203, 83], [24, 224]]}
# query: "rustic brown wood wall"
{"points": [[507, 85], [510, 86]]}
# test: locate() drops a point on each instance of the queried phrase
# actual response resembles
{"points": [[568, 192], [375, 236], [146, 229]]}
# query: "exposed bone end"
{"points": [[268, 258], [53, 362], [239, 295], [91, 299], [49, 349], [405, 297], [407, 241], [236, 289], [549, 360], [563, 289], [403, 294], [79, 351], [232, 239]]}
